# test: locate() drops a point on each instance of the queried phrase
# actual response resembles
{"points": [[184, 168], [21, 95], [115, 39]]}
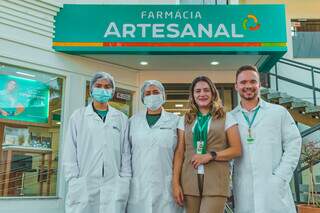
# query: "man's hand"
{"points": [[200, 159]]}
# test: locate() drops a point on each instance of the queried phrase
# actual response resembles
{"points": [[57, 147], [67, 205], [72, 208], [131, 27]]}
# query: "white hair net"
{"points": [[103, 76], [156, 83]]}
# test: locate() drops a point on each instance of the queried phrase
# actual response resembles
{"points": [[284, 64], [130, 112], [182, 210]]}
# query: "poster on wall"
{"points": [[125, 108], [23, 99]]}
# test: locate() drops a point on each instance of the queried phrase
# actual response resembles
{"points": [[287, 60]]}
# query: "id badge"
{"points": [[199, 147], [201, 169], [250, 140]]}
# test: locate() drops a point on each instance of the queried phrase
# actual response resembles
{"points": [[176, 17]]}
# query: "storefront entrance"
{"points": [[178, 97]]}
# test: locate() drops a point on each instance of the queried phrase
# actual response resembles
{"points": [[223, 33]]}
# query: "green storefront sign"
{"points": [[23, 99], [171, 29]]}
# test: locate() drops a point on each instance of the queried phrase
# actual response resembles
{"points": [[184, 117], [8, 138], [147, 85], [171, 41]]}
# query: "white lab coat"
{"points": [[91, 162], [152, 159], [261, 176]]}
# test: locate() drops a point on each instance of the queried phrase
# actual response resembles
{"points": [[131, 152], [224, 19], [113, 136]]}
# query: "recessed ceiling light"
{"points": [[177, 113], [178, 105], [214, 63], [143, 63]]}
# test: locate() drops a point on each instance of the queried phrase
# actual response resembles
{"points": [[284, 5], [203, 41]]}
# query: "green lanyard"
{"points": [[250, 139], [201, 132]]}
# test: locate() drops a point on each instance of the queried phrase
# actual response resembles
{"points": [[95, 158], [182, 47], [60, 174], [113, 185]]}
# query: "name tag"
{"points": [[200, 145], [165, 128], [201, 169]]}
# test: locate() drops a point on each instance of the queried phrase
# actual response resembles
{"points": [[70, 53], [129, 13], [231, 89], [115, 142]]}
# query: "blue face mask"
{"points": [[101, 95]]}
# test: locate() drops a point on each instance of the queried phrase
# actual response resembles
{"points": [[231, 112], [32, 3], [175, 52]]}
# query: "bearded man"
{"points": [[271, 145]]}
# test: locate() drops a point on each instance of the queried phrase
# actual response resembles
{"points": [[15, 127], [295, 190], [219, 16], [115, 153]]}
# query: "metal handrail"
{"points": [[310, 130], [228, 209], [307, 67], [312, 70], [294, 82], [306, 167], [297, 63]]}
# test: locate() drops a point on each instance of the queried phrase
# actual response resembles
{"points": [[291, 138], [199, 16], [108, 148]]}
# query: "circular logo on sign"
{"points": [[255, 21]]}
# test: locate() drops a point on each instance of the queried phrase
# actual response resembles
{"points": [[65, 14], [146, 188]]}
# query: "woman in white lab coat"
{"points": [[153, 137], [94, 147]]}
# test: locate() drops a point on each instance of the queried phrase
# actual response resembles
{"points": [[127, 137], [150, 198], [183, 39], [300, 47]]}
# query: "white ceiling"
{"points": [[179, 62]]}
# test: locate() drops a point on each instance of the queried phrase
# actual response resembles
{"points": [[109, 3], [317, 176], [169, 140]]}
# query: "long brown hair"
{"points": [[216, 107]]}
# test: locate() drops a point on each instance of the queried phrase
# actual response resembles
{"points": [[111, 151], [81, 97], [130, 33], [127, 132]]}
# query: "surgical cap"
{"points": [[156, 83], [102, 76]]}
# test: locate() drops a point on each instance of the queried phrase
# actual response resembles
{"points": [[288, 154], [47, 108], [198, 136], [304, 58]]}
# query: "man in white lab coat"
{"points": [[271, 145], [96, 153]]}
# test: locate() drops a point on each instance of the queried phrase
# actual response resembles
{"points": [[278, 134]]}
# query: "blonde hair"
{"points": [[216, 107]]}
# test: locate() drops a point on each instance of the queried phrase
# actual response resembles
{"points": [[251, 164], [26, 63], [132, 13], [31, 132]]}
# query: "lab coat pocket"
{"points": [[123, 186], [167, 137], [135, 191], [77, 191], [277, 187], [279, 184], [107, 193], [122, 193]]}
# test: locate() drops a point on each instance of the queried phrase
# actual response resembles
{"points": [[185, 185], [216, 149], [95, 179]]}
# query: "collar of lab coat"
{"points": [[90, 111], [165, 116], [263, 104], [260, 115]]}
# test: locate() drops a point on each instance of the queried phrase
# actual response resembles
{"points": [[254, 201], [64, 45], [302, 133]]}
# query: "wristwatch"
{"points": [[213, 154]]}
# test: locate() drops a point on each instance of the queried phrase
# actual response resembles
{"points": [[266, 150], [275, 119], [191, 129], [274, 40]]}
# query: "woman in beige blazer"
{"points": [[209, 140]]}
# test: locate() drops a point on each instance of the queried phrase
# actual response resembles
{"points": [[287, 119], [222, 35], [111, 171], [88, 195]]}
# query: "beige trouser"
{"points": [[204, 204]]}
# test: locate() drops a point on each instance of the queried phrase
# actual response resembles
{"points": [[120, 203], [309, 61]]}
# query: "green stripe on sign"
{"points": [[274, 44]]}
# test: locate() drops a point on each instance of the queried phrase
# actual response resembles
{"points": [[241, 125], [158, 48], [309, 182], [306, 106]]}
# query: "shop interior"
{"points": [[30, 119]]}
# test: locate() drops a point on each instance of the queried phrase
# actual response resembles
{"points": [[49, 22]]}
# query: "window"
{"points": [[305, 37], [30, 116]]}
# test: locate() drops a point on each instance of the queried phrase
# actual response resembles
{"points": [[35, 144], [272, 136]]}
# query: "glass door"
{"points": [[178, 97]]}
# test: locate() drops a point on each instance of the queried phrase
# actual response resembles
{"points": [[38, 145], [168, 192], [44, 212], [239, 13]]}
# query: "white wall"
{"points": [[26, 31]]}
